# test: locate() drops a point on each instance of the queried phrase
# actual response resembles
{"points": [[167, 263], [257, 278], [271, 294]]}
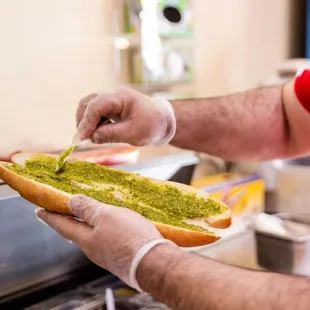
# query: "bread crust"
{"points": [[54, 200], [37, 193]]}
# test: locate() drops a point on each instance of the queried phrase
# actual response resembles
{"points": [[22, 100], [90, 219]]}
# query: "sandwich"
{"points": [[181, 213]]}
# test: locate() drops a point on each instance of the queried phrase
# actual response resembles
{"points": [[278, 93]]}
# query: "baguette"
{"points": [[194, 232]]}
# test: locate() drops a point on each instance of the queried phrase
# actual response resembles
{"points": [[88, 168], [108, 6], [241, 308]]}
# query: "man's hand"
{"points": [[138, 119], [109, 236]]}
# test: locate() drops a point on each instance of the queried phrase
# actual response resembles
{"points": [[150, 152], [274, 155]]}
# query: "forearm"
{"points": [[186, 281], [250, 125]]}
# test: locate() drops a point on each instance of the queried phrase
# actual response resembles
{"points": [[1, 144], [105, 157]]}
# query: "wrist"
{"points": [[168, 120], [182, 110], [153, 268]]}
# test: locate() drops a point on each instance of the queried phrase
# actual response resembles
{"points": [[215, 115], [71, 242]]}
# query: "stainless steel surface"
{"points": [[175, 167], [285, 253], [6, 191], [31, 252], [92, 296]]}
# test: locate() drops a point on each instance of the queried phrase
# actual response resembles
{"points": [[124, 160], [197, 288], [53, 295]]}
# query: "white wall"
{"points": [[238, 42], [52, 53]]}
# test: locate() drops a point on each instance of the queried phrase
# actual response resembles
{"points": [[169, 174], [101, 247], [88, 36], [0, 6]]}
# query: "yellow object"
{"points": [[244, 194]]}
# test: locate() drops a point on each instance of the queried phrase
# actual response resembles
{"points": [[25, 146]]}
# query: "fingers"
{"points": [[68, 227], [82, 107], [87, 209], [101, 106], [108, 133]]}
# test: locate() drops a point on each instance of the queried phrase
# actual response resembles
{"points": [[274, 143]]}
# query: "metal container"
{"points": [[287, 252], [289, 181], [292, 189]]}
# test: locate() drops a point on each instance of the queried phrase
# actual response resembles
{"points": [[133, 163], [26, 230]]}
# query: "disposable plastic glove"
{"points": [[114, 238], [137, 119]]}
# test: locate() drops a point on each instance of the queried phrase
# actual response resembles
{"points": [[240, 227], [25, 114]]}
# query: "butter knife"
{"points": [[76, 143]]}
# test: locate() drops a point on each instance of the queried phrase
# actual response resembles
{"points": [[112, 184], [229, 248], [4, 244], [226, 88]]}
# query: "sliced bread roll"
{"points": [[177, 210]]}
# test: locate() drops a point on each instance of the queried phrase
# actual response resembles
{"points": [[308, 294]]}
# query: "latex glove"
{"points": [[139, 119], [114, 238]]}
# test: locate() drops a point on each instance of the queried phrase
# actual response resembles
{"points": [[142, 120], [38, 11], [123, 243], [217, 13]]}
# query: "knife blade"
{"points": [[76, 143]]}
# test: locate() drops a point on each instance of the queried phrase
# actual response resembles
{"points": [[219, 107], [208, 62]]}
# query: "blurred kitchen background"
{"points": [[56, 52]]}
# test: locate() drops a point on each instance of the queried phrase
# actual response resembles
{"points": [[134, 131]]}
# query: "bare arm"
{"points": [[197, 283], [258, 124]]}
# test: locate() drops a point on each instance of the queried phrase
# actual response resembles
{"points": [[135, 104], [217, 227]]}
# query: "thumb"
{"points": [[107, 106], [88, 209]]}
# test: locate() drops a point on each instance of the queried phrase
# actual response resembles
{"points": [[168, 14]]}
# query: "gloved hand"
{"points": [[138, 119], [114, 238]]}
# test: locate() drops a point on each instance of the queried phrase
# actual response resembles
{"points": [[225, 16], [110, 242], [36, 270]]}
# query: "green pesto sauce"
{"points": [[158, 203]]}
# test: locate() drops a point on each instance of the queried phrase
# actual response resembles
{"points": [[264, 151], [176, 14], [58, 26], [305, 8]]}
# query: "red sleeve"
{"points": [[302, 89]]}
